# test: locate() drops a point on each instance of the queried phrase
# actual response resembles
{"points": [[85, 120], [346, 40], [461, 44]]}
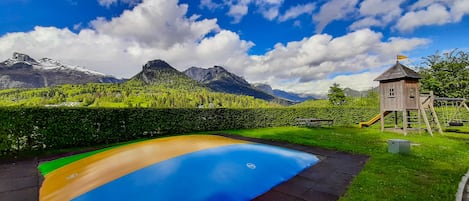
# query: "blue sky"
{"points": [[300, 46]]}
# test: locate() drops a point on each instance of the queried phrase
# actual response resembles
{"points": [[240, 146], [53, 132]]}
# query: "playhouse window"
{"points": [[412, 93], [391, 93]]}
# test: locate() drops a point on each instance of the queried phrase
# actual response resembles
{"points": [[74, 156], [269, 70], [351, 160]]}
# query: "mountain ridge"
{"points": [[23, 71], [219, 79]]}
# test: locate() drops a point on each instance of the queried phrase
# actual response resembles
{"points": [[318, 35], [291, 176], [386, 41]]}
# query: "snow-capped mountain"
{"points": [[51, 64], [23, 71]]}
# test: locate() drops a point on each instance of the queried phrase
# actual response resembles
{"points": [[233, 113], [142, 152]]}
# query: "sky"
{"points": [[298, 46]]}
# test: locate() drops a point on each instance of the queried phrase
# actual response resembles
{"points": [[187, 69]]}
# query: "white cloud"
{"points": [[365, 23], [333, 10], [269, 8], [238, 11], [153, 29], [156, 23], [210, 4], [420, 4], [320, 88], [160, 29], [296, 11], [434, 14], [459, 9], [321, 58], [108, 3], [378, 13]]}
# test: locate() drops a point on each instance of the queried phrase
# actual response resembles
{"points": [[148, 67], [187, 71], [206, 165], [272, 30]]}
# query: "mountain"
{"points": [[356, 93], [264, 87], [293, 97], [220, 80], [158, 85], [159, 72], [23, 71]]}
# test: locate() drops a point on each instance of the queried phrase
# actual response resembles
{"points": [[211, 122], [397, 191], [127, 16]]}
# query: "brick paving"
{"points": [[325, 181]]}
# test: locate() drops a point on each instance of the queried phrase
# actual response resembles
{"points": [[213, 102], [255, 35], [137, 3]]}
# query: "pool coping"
{"points": [[326, 181]]}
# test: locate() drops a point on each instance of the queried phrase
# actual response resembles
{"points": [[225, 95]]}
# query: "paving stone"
{"points": [[275, 196], [13, 184], [27, 194], [295, 186], [314, 195]]}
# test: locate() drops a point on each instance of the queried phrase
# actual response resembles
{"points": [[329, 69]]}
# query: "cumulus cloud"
{"points": [[269, 8], [296, 11], [237, 9], [156, 23], [321, 58], [365, 23], [333, 10], [432, 12], [152, 30], [377, 13]]}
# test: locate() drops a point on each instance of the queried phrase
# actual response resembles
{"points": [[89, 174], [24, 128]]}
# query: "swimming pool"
{"points": [[189, 167]]}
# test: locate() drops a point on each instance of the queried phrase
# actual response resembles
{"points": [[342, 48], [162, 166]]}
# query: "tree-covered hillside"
{"points": [[158, 85], [129, 94]]}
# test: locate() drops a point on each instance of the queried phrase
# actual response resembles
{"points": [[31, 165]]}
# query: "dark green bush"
{"points": [[37, 129]]}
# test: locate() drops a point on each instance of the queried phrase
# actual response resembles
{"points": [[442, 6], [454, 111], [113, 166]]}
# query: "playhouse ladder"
{"points": [[427, 103]]}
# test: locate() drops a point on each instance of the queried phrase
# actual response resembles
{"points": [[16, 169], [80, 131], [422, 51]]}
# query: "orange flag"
{"points": [[400, 57]]}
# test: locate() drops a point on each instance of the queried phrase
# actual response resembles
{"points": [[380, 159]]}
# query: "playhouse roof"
{"points": [[398, 71]]}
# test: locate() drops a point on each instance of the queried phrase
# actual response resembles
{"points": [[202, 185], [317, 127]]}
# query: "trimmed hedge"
{"points": [[38, 129]]}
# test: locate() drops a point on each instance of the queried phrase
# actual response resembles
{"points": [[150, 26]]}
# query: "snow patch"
{"points": [[51, 64]]}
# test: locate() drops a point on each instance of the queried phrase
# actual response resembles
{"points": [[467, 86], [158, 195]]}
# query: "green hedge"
{"points": [[37, 129]]}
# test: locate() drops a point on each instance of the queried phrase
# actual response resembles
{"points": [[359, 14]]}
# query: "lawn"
{"points": [[432, 171]]}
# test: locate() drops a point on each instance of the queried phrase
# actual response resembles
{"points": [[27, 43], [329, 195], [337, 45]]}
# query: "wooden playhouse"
{"points": [[399, 93]]}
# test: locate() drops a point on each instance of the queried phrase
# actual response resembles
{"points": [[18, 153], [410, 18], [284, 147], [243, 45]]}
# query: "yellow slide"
{"points": [[372, 120]]}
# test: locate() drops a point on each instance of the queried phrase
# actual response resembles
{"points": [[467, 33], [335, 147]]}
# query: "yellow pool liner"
{"points": [[79, 177]]}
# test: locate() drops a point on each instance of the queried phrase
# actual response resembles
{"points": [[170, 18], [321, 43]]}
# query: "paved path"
{"points": [[325, 181], [465, 193], [20, 180]]}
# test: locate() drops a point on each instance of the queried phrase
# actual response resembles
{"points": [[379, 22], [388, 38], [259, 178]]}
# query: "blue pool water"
{"points": [[228, 173]]}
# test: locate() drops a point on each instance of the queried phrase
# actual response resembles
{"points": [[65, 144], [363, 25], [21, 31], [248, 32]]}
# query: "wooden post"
{"points": [[396, 124], [425, 118], [467, 108], [409, 116], [404, 117], [419, 119], [382, 120], [435, 117]]}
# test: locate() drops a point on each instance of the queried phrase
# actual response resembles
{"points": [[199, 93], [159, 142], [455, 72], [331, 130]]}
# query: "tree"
{"points": [[447, 74], [336, 95]]}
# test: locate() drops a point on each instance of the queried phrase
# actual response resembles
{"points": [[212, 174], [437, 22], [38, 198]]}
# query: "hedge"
{"points": [[39, 129]]}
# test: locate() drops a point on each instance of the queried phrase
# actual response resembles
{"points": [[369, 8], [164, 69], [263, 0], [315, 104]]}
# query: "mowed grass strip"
{"points": [[432, 170]]}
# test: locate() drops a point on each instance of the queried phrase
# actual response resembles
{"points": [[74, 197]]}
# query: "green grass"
{"points": [[432, 171]]}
